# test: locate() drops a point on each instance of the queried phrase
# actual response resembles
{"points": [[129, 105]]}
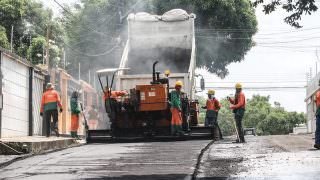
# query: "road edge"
{"points": [[22, 157], [197, 167]]}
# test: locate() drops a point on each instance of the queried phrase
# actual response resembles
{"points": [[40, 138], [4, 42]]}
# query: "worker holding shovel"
{"points": [[238, 104], [75, 111]]}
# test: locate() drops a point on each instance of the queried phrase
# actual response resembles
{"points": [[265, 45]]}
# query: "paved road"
{"points": [[155, 160], [268, 157]]}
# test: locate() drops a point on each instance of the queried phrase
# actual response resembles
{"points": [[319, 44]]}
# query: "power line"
{"points": [[92, 55]]}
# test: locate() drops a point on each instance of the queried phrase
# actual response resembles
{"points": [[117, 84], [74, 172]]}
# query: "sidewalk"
{"points": [[34, 144], [15, 148]]}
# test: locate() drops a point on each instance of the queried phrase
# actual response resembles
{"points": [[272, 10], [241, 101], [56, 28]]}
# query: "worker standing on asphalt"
{"points": [[75, 111], [213, 106], [49, 108], [317, 133], [238, 105], [176, 118]]}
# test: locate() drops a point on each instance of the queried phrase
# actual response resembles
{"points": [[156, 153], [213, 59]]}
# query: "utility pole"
{"points": [[47, 46], [79, 71], [42, 54], [11, 39], [89, 77], [64, 59]]}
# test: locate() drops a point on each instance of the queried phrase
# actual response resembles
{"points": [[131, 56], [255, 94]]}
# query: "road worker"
{"points": [[93, 118], [49, 108], [75, 111], [176, 118], [213, 106], [113, 94], [238, 104], [317, 133]]}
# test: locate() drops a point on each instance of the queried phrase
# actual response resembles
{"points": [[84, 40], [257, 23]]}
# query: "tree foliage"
{"points": [[3, 38], [296, 9], [224, 30], [260, 114], [30, 21]]}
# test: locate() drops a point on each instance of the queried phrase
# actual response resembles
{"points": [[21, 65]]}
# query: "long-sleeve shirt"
{"points": [[239, 101], [74, 106], [50, 101], [213, 104], [317, 99], [175, 100]]}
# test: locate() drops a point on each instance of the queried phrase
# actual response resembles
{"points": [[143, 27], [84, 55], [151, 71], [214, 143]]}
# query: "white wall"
{"points": [[15, 98]]}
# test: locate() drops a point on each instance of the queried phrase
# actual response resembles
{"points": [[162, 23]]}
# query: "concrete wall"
{"points": [[15, 86]]}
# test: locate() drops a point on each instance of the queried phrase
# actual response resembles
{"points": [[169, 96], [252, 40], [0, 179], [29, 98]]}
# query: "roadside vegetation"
{"points": [[267, 118]]}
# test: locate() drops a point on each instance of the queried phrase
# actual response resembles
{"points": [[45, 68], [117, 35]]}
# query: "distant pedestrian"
{"points": [[176, 120], [93, 118], [213, 106], [49, 108], [75, 111], [317, 133], [238, 105]]}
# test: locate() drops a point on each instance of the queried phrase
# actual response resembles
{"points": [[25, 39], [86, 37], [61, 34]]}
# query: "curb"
{"points": [[22, 157], [196, 169]]}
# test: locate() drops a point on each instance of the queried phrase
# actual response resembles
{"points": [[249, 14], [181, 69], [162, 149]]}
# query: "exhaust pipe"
{"points": [[154, 79]]}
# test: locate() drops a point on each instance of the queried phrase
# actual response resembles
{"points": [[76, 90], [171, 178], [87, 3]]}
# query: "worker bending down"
{"points": [[176, 118], [213, 106], [238, 105]]}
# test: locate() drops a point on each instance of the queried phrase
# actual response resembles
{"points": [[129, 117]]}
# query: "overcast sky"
{"points": [[283, 55]]}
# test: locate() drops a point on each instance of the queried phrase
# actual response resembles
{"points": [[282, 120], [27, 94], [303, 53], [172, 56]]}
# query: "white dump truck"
{"points": [[168, 39], [156, 44]]}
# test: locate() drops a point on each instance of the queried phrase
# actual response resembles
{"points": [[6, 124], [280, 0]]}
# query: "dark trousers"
{"points": [[48, 126], [240, 129], [317, 133]]}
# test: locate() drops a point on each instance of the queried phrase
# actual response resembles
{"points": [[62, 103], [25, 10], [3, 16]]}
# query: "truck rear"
{"points": [[155, 44]]}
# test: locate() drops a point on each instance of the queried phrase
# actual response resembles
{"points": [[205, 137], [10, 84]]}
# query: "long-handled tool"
{"points": [[85, 121], [235, 127]]}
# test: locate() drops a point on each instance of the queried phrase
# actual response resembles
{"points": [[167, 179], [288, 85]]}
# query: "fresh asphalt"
{"points": [[147, 160]]}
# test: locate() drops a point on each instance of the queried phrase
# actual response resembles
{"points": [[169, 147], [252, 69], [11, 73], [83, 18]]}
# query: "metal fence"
{"points": [[38, 81]]}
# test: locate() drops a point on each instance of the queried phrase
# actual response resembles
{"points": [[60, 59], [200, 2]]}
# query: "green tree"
{"points": [[257, 109], [35, 51], [296, 8], [260, 114], [3, 38], [30, 20]]}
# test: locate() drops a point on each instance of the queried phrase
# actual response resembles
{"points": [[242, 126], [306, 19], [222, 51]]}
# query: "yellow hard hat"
{"points": [[167, 72], [211, 92], [179, 83], [238, 86]]}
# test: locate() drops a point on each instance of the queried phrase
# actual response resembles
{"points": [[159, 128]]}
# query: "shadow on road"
{"points": [[147, 177]]}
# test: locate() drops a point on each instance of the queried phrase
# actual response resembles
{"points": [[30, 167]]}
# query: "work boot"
{"points": [[56, 131], [317, 146]]}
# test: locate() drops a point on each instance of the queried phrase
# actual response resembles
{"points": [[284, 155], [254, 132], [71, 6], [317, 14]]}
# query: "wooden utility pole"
{"points": [[47, 46], [11, 39]]}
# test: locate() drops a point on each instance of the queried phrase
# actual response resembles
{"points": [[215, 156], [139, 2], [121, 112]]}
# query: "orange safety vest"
{"points": [[239, 101], [213, 104], [50, 100], [317, 100], [114, 94]]}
